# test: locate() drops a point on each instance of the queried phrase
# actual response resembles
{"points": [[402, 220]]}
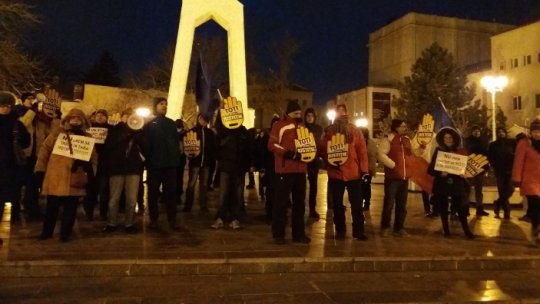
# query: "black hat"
{"points": [[7, 98], [535, 125], [25, 95], [102, 111], [293, 106], [156, 101]]}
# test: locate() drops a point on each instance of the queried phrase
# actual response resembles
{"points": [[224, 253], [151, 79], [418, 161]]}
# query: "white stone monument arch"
{"points": [[229, 14]]}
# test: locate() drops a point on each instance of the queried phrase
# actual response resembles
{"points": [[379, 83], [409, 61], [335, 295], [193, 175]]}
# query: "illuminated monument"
{"points": [[229, 14]]}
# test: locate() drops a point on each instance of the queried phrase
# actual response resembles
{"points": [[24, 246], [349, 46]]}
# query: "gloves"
{"points": [[292, 155], [40, 176]]}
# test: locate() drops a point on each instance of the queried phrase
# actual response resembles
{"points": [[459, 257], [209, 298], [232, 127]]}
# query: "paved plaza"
{"points": [[197, 250]]}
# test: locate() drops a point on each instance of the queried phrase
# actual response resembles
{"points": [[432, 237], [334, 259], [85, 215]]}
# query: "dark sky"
{"points": [[333, 33]]}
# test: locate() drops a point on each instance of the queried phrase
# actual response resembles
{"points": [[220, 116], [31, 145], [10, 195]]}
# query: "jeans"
{"points": [[69, 205], [167, 178], [285, 185], [395, 192], [130, 185], [478, 183], [202, 174], [98, 193], [337, 188], [229, 196]]}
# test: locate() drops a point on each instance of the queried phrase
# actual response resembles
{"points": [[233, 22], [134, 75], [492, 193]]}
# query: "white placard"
{"points": [[82, 146], [99, 134], [451, 163]]}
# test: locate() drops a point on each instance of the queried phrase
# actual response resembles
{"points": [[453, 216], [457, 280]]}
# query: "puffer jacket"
{"points": [[282, 138], [525, 168], [357, 160], [393, 152]]}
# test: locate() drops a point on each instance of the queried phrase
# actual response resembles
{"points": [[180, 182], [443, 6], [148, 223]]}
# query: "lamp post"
{"points": [[361, 122], [331, 115], [493, 84]]}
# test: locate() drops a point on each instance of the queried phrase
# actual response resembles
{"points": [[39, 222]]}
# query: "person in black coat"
{"points": [[234, 161], [310, 121], [13, 139], [501, 157], [199, 165], [447, 186], [478, 144]]}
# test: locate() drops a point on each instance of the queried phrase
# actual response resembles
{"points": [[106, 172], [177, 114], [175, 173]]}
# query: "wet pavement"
{"points": [[201, 265]]}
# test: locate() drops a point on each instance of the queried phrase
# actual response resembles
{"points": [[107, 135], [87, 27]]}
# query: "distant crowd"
{"points": [[44, 153]]}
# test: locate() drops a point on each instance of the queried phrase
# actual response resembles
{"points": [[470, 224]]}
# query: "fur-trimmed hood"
{"points": [[455, 134]]}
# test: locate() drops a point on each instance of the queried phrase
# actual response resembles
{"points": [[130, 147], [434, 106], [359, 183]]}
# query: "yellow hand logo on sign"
{"points": [[114, 119], [305, 144], [232, 113], [425, 130], [338, 150], [192, 146], [475, 165]]}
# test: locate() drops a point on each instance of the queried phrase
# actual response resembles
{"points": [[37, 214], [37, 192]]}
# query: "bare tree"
{"points": [[18, 70]]}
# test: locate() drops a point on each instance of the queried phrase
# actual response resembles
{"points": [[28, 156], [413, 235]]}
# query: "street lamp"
{"points": [[331, 115], [493, 84], [361, 122]]}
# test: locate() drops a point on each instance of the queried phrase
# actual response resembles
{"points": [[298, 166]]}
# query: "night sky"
{"points": [[333, 33]]}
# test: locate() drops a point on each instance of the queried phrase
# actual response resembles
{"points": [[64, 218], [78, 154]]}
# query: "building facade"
{"points": [[395, 47]]}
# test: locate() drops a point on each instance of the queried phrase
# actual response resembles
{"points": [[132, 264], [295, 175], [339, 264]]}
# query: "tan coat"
{"points": [[38, 128], [57, 169]]}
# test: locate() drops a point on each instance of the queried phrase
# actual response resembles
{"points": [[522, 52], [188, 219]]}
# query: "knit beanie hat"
{"points": [[103, 112], [26, 95], [7, 98], [535, 125], [293, 106]]}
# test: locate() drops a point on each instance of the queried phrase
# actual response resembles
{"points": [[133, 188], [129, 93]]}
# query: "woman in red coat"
{"points": [[525, 174]]}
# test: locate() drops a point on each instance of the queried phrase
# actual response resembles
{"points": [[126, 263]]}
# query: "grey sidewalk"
{"points": [[198, 249]]}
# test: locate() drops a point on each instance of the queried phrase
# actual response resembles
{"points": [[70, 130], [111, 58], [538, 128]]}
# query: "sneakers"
{"points": [[235, 225], [217, 224], [481, 213], [401, 233], [109, 229]]}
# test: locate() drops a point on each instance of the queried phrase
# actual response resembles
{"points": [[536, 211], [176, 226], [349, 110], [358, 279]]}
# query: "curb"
{"points": [[106, 268]]}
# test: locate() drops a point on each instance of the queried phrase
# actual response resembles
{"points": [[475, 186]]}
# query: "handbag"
{"points": [[79, 177]]}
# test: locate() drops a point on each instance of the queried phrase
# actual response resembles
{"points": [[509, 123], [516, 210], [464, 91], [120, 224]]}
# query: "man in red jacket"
{"points": [[290, 176], [346, 172], [393, 153]]}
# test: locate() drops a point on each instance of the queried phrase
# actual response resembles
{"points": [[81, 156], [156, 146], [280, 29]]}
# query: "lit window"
{"points": [[501, 65], [527, 60], [538, 101], [516, 103], [514, 63]]}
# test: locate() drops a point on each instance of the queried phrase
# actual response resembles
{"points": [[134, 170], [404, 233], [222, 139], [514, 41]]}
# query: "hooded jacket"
{"points": [[282, 138], [58, 168], [525, 168], [451, 184], [393, 152]]}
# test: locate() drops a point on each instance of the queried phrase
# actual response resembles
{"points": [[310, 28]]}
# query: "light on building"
{"points": [[142, 112], [361, 122], [494, 84]]}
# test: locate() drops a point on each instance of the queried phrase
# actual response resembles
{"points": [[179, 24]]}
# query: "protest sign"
{"points": [[305, 144], [232, 113], [82, 146], [337, 150], [451, 163], [425, 130], [192, 145], [99, 134]]}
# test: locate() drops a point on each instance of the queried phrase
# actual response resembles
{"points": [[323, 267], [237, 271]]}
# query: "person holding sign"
{"points": [[234, 160], [449, 181], [98, 190], [199, 147], [346, 152], [65, 162], [310, 120], [290, 176]]}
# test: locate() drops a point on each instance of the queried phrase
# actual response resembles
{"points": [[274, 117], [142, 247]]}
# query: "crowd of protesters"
{"points": [[111, 179]]}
